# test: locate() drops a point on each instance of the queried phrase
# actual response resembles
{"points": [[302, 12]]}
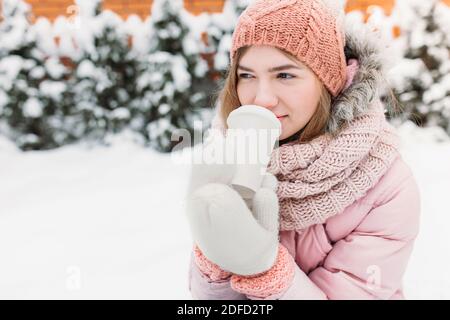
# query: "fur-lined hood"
{"points": [[364, 46]]}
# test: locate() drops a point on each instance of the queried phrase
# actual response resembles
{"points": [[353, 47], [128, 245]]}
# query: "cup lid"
{"points": [[256, 112]]}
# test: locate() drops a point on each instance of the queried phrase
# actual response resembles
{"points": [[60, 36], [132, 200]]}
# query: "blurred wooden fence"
{"points": [[53, 8]]}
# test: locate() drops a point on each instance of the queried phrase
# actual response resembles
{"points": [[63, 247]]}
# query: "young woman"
{"points": [[340, 219]]}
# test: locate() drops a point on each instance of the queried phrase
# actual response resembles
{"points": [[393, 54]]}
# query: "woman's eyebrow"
{"points": [[275, 69]]}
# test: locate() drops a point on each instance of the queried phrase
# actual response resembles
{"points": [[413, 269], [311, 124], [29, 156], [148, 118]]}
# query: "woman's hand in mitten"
{"points": [[237, 239]]}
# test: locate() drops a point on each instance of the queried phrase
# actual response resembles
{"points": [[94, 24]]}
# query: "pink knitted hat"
{"points": [[308, 29]]}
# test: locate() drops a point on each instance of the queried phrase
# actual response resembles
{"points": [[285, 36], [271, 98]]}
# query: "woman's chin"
{"points": [[284, 133], [287, 136], [283, 136]]}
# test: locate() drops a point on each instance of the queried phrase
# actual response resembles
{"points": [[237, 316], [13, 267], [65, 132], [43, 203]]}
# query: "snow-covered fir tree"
{"points": [[422, 79], [104, 79], [33, 94], [241, 5], [220, 30], [163, 102], [171, 91]]}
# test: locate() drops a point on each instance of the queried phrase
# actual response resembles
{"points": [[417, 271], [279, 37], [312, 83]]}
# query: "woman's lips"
{"points": [[281, 117]]}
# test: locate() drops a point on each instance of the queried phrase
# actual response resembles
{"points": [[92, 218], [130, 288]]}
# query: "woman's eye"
{"points": [[285, 76], [245, 76]]}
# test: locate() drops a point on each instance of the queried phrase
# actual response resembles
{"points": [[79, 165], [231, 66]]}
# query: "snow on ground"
{"points": [[108, 223], [101, 223], [428, 273]]}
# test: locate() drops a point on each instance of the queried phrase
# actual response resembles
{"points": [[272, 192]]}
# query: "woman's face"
{"points": [[289, 89]]}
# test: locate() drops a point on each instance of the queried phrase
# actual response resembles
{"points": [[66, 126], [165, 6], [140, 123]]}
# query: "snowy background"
{"points": [[90, 220]]}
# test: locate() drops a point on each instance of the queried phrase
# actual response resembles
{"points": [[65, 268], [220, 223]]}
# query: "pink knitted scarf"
{"points": [[319, 179]]}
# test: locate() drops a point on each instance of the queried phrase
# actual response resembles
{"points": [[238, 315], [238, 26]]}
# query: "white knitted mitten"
{"points": [[237, 239]]}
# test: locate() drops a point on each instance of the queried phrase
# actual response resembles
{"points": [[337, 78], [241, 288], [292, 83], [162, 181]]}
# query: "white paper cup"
{"points": [[252, 133]]}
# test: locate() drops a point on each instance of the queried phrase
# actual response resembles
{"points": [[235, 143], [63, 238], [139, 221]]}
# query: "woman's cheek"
{"points": [[243, 93]]}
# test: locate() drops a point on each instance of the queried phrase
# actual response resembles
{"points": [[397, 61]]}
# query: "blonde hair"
{"points": [[229, 100]]}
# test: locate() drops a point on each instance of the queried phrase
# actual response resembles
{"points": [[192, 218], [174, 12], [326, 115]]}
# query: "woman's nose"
{"points": [[265, 97]]}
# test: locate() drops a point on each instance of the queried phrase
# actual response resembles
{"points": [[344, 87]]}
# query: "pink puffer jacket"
{"points": [[361, 253]]}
